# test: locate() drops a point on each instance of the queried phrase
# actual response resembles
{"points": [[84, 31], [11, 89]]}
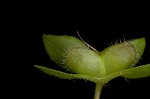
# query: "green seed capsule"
{"points": [[118, 57], [123, 55], [84, 61]]}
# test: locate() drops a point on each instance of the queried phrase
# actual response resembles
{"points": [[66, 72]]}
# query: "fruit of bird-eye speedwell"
{"points": [[75, 56]]}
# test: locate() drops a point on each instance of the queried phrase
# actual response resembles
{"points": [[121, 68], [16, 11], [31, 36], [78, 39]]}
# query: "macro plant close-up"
{"points": [[82, 61]]}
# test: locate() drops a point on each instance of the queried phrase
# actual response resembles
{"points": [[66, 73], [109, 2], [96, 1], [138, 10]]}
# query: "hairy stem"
{"points": [[98, 89]]}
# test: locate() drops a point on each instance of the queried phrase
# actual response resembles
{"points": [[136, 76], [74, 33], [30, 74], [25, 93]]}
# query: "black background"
{"points": [[98, 24], [99, 37]]}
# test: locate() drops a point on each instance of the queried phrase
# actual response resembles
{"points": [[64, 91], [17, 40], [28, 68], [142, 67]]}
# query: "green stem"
{"points": [[98, 89]]}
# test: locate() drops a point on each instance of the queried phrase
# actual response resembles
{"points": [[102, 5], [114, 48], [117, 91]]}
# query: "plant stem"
{"points": [[98, 89]]}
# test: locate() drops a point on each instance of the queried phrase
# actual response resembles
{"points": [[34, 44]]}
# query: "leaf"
{"points": [[58, 46], [137, 72]]}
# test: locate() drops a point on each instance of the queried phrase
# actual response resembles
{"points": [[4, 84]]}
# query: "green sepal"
{"points": [[137, 72], [64, 75], [58, 46], [133, 73], [139, 45]]}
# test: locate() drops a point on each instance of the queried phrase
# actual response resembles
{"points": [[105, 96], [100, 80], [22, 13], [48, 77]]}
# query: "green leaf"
{"points": [[58, 46], [137, 72]]}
